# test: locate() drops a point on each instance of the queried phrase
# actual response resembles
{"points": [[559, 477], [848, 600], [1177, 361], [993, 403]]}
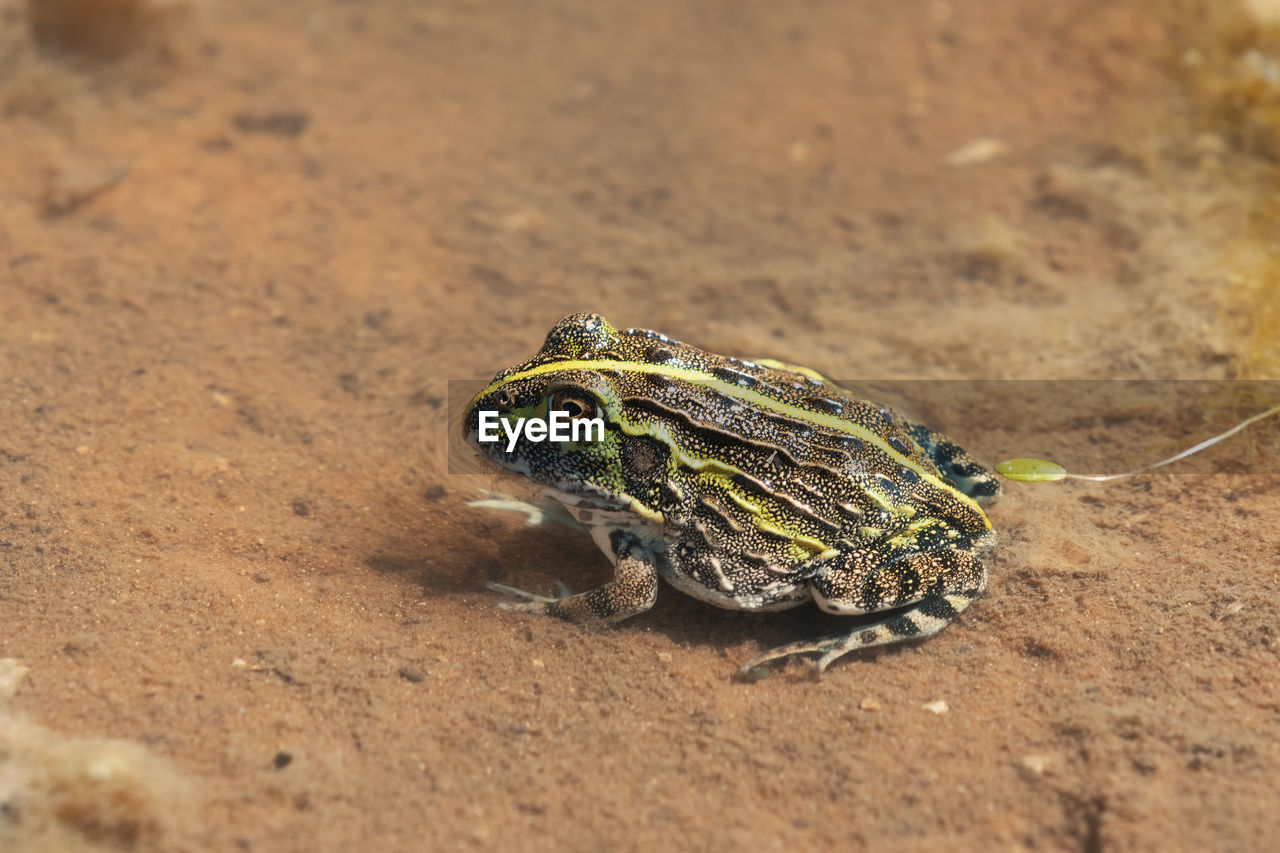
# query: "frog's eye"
{"points": [[574, 402]]}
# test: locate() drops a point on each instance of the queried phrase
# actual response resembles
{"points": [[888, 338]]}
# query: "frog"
{"points": [[749, 484]]}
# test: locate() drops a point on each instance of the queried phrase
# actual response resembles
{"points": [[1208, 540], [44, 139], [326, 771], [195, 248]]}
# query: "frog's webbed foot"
{"points": [[524, 601], [528, 601], [759, 666], [633, 590]]}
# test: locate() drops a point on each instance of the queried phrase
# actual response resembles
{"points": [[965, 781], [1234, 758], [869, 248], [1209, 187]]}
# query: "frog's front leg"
{"points": [[633, 590], [940, 584]]}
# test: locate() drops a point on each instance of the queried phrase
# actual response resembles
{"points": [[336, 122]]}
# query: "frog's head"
{"points": [[557, 419]]}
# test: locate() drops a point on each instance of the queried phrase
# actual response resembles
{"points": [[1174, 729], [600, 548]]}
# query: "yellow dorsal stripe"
{"points": [[806, 543], [746, 395]]}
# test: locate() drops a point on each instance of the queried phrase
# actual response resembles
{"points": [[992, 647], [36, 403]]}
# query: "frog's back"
{"points": [[751, 445]]}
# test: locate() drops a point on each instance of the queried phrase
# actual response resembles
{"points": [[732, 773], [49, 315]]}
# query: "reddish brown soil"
{"points": [[240, 265]]}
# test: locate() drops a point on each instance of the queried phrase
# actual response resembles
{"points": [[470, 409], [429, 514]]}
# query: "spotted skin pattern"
{"points": [[751, 485]]}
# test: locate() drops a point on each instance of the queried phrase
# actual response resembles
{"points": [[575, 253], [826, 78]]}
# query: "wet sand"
{"points": [[244, 598]]}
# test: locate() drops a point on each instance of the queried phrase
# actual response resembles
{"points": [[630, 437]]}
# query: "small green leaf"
{"points": [[1031, 470]]}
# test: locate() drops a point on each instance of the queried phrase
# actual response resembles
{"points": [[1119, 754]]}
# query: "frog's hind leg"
{"points": [[925, 619], [935, 587]]}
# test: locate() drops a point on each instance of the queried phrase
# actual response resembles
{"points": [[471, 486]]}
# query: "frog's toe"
{"points": [[759, 667], [524, 601], [829, 656]]}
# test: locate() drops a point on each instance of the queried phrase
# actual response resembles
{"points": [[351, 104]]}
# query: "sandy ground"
{"points": [[242, 597]]}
